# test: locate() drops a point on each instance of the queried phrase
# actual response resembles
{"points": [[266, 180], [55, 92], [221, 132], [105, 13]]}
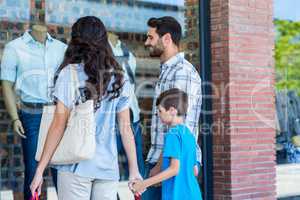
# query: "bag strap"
{"points": [[75, 83]]}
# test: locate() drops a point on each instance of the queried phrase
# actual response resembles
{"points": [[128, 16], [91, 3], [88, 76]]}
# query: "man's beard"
{"points": [[156, 50]]}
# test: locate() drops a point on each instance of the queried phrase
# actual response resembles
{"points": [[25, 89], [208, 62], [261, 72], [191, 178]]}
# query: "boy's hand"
{"points": [[138, 186]]}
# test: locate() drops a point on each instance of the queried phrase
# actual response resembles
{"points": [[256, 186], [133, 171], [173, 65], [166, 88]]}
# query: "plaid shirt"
{"points": [[176, 73]]}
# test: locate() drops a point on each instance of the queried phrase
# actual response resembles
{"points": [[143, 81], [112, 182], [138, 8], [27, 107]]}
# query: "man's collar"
{"points": [[173, 60], [27, 37]]}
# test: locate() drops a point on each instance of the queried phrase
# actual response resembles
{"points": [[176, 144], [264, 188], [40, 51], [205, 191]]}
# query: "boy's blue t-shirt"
{"points": [[179, 143]]}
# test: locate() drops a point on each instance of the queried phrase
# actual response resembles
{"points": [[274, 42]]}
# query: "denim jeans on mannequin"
{"points": [[31, 124], [137, 131]]}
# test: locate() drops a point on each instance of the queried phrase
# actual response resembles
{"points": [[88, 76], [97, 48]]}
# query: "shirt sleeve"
{"points": [[172, 146], [124, 101], [63, 90], [191, 84], [9, 64]]}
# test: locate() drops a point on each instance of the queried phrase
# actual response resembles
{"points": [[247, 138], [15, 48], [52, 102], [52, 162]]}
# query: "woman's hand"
{"points": [[36, 184], [55, 133], [134, 176], [138, 186]]}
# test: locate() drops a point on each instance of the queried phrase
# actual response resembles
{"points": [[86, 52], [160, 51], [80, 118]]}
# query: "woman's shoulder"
{"points": [[67, 70], [124, 83], [74, 66]]}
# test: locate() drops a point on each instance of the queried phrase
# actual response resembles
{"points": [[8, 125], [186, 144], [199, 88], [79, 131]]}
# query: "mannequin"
{"points": [[27, 68], [128, 62], [113, 38], [39, 33]]}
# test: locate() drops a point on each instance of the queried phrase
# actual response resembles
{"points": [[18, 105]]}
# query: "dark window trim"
{"points": [[206, 117]]}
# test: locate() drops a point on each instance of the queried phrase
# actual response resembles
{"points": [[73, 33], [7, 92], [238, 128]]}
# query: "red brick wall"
{"points": [[243, 76]]}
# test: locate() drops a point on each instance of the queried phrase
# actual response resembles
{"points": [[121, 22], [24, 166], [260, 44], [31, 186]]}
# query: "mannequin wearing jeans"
{"points": [[128, 62], [27, 69]]}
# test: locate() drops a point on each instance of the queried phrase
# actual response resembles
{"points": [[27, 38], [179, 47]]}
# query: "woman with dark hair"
{"points": [[101, 79]]}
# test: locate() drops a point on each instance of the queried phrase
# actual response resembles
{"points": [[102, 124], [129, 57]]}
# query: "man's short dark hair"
{"points": [[165, 25], [174, 98]]}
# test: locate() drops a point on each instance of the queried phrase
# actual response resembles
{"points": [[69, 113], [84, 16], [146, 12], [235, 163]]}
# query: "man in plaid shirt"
{"points": [[163, 39]]}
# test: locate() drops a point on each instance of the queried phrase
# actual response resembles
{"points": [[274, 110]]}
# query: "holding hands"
{"points": [[133, 179], [138, 187]]}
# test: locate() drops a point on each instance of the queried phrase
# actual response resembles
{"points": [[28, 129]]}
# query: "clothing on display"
{"points": [[27, 68], [128, 62], [31, 66]]}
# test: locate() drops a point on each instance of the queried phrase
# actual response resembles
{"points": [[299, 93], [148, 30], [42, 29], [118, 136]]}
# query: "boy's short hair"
{"points": [[174, 98], [165, 25]]}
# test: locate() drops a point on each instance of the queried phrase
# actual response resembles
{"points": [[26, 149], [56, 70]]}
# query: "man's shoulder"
{"points": [[186, 68]]}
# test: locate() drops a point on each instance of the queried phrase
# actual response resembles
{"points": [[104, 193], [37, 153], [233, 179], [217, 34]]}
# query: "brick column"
{"points": [[243, 76]]}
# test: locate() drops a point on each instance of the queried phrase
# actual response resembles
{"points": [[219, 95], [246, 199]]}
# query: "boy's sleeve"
{"points": [[172, 146]]}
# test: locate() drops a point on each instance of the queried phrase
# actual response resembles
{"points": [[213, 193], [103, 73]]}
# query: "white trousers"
{"points": [[73, 187]]}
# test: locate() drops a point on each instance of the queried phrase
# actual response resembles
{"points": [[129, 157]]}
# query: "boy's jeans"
{"points": [[31, 124]]}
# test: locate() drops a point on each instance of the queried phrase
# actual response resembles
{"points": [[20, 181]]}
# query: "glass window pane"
{"points": [[126, 22]]}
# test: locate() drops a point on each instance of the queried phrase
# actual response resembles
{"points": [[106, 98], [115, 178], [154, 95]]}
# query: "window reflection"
{"points": [[14, 10], [127, 20], [120, 17]]}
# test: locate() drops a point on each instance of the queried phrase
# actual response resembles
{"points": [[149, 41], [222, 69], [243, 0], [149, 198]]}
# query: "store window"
{"points": [[126, 22]]}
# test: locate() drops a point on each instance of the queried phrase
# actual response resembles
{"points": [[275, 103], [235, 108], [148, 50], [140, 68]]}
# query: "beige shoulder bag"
{"points": [[79, 141]]}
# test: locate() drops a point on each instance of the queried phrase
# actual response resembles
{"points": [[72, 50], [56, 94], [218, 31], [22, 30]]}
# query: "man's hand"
{"points": [[18, 128]]}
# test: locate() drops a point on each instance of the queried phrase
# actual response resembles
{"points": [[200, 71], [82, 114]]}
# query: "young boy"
{"points": [[179, 153]]}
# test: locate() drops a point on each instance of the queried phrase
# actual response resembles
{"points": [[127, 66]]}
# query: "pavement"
{"points": [[123, 191], [288, 181]]}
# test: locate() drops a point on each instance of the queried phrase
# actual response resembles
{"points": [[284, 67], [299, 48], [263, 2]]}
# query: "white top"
{"points": [[117, 51]]}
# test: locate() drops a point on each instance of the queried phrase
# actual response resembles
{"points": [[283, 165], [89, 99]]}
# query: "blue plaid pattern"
{"points": [[176, 73]]}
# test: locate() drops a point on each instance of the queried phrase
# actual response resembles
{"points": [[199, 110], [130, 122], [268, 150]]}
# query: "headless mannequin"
{"points": [[39, 33], [113, 38]]}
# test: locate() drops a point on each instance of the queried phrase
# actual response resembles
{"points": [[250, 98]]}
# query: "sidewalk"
{"points": [[288, 181], [124, 193]]}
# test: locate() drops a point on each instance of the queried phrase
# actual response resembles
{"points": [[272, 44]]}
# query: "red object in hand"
{"points": [[137, 197], [35, 197]]}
